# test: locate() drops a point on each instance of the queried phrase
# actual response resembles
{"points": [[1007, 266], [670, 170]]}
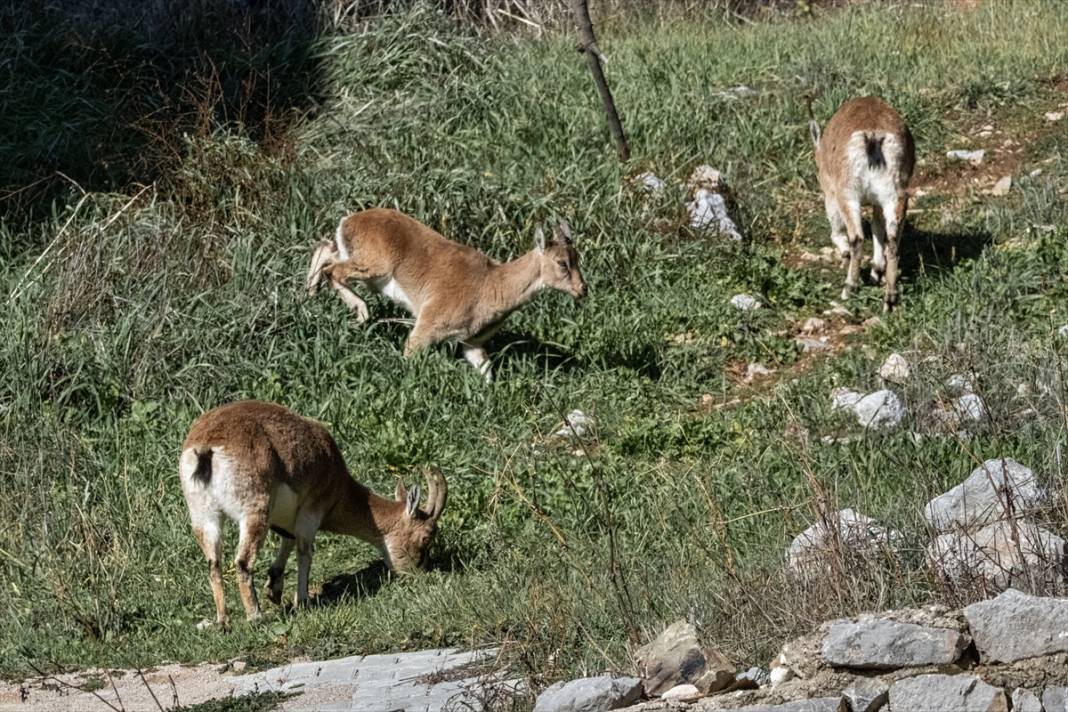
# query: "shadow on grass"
{"points": [[98, 94], [927, 252], [522, 347], [352, 587]]}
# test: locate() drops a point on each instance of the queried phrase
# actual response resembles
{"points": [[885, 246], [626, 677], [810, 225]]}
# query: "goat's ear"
{"points": [[563, 232], [400, 492], [814, 132], [539, 240], [411, 504]]}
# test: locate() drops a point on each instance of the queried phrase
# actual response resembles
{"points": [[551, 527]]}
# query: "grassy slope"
{"points": [[191, 296]]}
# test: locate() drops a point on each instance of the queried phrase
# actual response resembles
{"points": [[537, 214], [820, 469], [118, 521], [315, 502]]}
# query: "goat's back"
{"points": [[865, 134]]}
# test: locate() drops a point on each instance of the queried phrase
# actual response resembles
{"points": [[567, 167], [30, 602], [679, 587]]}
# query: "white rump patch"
{"points": [[339, 238]]}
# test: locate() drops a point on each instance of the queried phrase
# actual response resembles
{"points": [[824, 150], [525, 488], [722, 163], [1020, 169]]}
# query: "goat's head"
{"points": [[560, 262], [407, 543]]}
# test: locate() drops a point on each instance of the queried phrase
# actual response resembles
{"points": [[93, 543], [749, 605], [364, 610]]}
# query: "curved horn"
{"points": [[437, 493], [563, 231]]}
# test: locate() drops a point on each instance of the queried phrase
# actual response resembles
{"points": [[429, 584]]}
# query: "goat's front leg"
{"points": [[305, 528], [426, 332], [477, 357], [277, 573]]}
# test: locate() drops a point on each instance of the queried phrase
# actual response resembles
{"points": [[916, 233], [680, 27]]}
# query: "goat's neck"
{"points": [[512, 284], [361, 513]]}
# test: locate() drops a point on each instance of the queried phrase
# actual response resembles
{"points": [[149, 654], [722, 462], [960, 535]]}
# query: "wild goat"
{"points": [[264, 466], [455, 292], [865, 156]]}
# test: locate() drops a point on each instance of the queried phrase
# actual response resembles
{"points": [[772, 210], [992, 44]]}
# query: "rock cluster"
{"points": [[1006, 653]]}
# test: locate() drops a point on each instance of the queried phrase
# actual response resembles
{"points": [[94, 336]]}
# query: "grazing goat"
{"points": [[865, 156], [264, 466], [456, 293]]}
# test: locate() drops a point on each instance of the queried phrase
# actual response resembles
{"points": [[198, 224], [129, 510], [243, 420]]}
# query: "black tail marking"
{"points": [[873, 145], [202, 473]]}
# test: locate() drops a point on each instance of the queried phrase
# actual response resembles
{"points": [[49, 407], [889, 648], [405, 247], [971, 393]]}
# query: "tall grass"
{"points": [[133, 311]]}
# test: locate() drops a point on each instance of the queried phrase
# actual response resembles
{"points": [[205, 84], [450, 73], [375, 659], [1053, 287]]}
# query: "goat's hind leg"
{"points": [[209, 537], [253, 534], [850, 214], [895, 221], [324, 256], [878, 234]]}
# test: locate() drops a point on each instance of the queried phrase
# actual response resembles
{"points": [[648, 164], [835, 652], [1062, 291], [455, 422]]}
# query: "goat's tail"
{"points": [[201, 473], [873, 147]]}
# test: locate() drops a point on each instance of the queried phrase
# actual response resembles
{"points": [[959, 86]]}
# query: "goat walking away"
{"points": [[865, 156]]}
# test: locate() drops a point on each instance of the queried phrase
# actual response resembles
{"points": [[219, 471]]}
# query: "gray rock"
{"points": [[745, 302], [974, 157], [879, 644], [576, 425], [820, 704], [708, 210], [960, 383], [650, 183], [981, 498], [895, 369], [677, 657], [879, 410], [946, 693], [1063, 330], [1025, 701], [590, 694], [849, 529], [809, 345], [1015, 626], [1001, 555], [740, 91], [756, 675], [970, 407], [844, 398], [683, 693], [1055, 699], [866, 695]]}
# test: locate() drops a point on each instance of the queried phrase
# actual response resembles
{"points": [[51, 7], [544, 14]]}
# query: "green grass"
{"points": [[151, 306]]}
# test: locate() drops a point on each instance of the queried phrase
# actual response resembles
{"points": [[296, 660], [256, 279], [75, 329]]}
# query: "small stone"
{"points": [[844, 398], [837, 310], [879, 644], [895, 369], [881, 410], [871, 321], [974, 157], [818, 704], [238, 666], [1035, 173], [705, 176], [1024, 700], [682, 693], [970, 407], [676, 657], [946, 693], [576, 425], [758, 676], [745, 302], [737, 92], [590, 694], [1055, 699], [1054, 115], [959, 383], [813, 325], [708, 210], [1015, 626], [1063, 331], [755, 371], [811, 345], [866, 694], [981, 498], [850, 530], [650, 183], [1002, 187]]}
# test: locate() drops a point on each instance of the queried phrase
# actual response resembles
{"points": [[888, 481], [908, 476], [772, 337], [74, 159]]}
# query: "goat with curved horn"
{"points": [[266, 467]]}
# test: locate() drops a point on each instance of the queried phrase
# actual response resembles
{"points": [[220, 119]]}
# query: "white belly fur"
{"points": [[283, 512], [390, 289]]}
